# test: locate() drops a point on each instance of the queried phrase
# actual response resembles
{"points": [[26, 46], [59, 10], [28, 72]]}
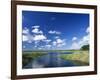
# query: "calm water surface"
{"points": [[50, 60]]}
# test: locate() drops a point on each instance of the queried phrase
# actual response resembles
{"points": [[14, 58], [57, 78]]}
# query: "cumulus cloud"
{"points": [[39, 37], [48, 46], [75, 45], [88, 30], [35, 38], [54, 32], [54, 43], [36, 44], [36, 26], [62, 44], [47, 40], [74, 38], [37, 31], [25, 31], [25, 38], [39, 48], [59, 42], [38, 34], [29, 41], [56, 37], [85, 40]]}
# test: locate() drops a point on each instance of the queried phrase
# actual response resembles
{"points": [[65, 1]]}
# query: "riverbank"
{"points": [[28, 56], [80, 58]]}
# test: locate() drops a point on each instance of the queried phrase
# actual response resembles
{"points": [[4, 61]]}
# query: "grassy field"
{"points": [[78, 57], [28, 56]]}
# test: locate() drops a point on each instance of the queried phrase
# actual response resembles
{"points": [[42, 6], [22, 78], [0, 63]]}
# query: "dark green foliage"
{"points": [[85, 47]]}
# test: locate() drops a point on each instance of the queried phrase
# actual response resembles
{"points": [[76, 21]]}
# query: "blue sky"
{"points": [[51, 30]]}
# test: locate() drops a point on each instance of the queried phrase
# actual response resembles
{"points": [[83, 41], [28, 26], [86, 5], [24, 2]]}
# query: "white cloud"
{"points": [[88, 30], [41, 32], [58, 32], [84, 40], [54, 32], [48, 46], [75, 45], [35, 46], [59, 42], [36, 27], [74, 38], [25, 37], [37, 31], [54, 43], [47, 40], [39, 37], [36, 43], [25, 31], [51, 32], [62, 44], [39, 48], [56, 37], [29, 41]]}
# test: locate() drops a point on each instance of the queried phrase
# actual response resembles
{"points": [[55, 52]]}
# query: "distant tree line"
{"points": [[85, 47]]}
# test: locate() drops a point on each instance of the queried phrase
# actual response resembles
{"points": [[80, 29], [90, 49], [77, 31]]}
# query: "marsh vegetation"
{"points": [[55, 58]]}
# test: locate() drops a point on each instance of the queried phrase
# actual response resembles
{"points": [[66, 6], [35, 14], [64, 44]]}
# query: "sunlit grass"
{"points": [[78, 58]]}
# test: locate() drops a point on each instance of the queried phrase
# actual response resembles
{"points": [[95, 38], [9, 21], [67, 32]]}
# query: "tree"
{"points": [[85, 47]]}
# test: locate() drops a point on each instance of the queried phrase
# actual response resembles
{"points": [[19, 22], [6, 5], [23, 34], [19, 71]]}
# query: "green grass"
{"points": [[29, 56], [78, 58]]}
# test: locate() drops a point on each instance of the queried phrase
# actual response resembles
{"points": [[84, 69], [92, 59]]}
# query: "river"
{"points": [[51, 59]]}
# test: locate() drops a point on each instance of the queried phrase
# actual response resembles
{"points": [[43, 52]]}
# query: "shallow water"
{"points": [[50, 60]]}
